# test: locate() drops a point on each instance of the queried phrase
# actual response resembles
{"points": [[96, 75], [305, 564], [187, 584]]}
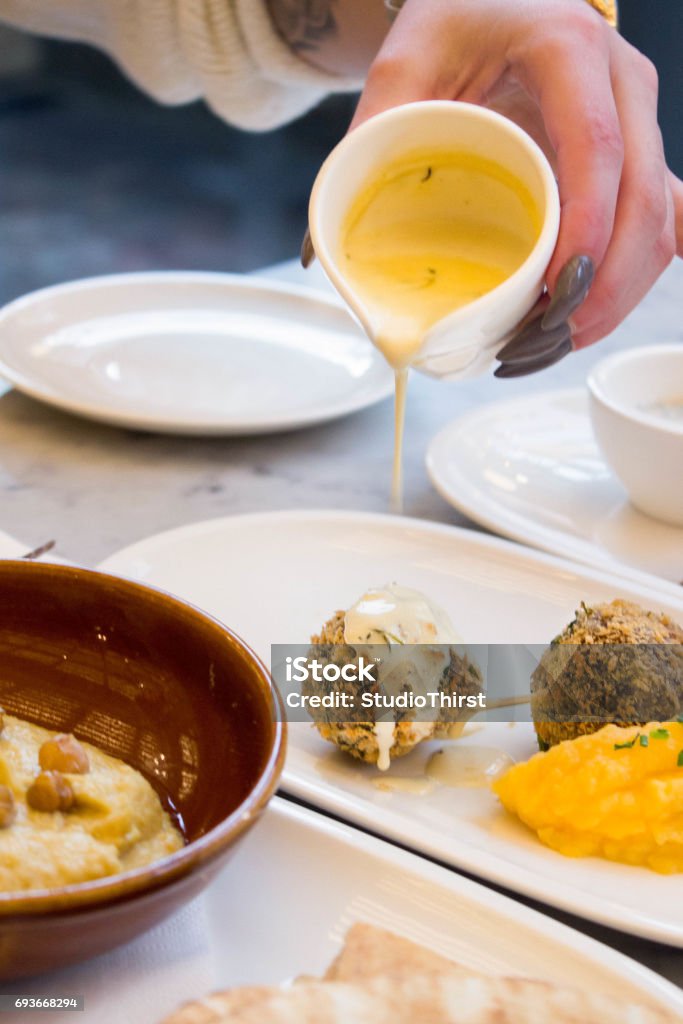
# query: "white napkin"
{"points": [[139, 983]]}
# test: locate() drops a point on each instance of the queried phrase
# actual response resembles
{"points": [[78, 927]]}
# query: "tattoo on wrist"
{"points": [[303, 24]]}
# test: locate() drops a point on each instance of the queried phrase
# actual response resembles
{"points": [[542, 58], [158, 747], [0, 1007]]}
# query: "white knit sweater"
{"points": [[226, 51]]}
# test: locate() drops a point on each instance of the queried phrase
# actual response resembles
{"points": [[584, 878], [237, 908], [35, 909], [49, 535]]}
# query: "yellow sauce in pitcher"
{"points": [[433, 232]]}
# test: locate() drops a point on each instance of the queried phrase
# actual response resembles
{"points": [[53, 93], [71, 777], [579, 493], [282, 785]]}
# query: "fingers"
{"points": [[384, 89], [307, 254], [395, 76], [571, 288], [546, 339], [568, 75], [643, 239], [524, 367], [621, 207], [441, 53]]}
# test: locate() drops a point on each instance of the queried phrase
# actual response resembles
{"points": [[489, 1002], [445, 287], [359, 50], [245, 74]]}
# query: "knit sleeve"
{"points": [[249, 75], [226, 51]]}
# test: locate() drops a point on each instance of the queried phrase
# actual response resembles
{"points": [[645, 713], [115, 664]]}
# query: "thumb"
{"points": [[390, 83]]}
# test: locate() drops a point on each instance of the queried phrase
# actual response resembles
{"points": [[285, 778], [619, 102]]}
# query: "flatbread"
{"points": [[218, 1006], [404, 999], [369, 951], [380, 978]]}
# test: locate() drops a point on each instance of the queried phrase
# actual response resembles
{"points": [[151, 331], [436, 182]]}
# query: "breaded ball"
{"points": [[359, 739], [581, 684]]}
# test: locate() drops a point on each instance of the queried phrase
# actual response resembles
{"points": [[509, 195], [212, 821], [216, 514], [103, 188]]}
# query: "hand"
{"points": [[590, 100]]}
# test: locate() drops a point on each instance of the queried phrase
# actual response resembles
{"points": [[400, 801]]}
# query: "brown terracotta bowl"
{"points": [[171, 691]]}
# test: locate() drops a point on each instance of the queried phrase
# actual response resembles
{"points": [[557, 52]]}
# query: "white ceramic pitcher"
{"points": [[465, 342]]}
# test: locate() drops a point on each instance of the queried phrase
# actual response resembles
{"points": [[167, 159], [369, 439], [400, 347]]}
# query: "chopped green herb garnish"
{"points": [[628, 744], [680, 759], [644, 741], [660, 734], [390, 637]]}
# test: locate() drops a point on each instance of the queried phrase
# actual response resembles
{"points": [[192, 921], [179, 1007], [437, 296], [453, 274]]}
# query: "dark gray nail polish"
{"points": [[571, 289], [307, 250], [533, 342], [521, 369]]}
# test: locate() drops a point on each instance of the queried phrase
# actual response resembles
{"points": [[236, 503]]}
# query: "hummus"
{"points": [[116, 821], [617, 793]]}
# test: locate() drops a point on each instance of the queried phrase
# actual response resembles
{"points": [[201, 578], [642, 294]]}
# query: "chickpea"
{"points": [[50, 792], [8, 808], [63, 753]]}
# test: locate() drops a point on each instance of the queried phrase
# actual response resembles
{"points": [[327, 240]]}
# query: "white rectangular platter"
{"points": [[276, 577]]}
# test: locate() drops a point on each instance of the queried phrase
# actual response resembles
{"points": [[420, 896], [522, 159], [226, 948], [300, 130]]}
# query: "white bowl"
{"points": [[630, 393], [464, 342]]}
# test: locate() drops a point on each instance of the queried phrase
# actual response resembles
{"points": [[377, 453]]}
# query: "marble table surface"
{"points": [[95, 489]]}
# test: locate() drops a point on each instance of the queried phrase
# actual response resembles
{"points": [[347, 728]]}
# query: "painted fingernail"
{"points": [[521, 369], [571, 289], [533, 342], [307, 250]]}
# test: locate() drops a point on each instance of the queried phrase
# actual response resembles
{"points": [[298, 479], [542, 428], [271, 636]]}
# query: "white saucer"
{"points": [[529, 468], [190, 353]]}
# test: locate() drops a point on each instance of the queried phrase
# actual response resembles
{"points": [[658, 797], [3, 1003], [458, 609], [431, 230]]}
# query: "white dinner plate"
{"points": [[530, 468], [191, 353], [276, 577], [284, 902]]}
